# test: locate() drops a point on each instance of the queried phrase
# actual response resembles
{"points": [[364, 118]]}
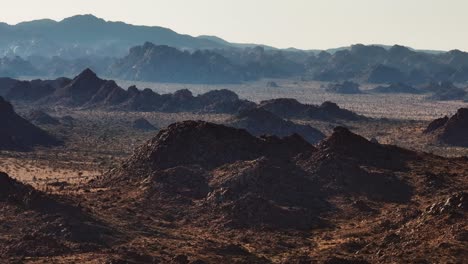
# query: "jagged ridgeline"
{"points": [[119, 50], [88, 91]]}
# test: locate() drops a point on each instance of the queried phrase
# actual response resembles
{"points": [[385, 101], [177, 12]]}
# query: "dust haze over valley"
{"points": [[123, 143]]}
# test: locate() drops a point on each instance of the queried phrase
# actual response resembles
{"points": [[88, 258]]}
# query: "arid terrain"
{"points": [[243, 132], [197, 192]]}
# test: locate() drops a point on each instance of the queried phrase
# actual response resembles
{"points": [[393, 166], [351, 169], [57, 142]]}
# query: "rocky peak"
{"points": [[343, 138], [436, 124], [455, 131], [197, 142], [220, 95], [461, 115], [329, 106], [86, 74]]}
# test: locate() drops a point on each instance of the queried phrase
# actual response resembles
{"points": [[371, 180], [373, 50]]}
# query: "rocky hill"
{"points": [[292, 109], [259, 122], [202, 176], [18, 134], [453, 130]]}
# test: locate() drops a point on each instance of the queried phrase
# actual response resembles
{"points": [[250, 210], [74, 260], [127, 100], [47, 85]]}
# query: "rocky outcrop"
{"points": [[210, 146], [436, 124], [342, 161], [236, 175], [247, 181], [453, 130]]}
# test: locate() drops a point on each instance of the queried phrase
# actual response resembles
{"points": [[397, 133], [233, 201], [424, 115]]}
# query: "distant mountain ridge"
{"points": [[142, 53], [84, 35]]}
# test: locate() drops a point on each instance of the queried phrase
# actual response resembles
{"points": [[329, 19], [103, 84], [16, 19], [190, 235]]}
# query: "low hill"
{"points": [[18, 134], [261, 122], [291, 108]]}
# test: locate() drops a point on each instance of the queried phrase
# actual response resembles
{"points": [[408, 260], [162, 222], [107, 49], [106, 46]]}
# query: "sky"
{"points": [[304, 24]]}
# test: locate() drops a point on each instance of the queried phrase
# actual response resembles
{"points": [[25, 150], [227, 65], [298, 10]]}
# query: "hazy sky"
{"points": [[306, 24]]}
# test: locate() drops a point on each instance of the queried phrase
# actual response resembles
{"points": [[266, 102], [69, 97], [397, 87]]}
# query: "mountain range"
{"points": [[85, 35], [118, 50]]}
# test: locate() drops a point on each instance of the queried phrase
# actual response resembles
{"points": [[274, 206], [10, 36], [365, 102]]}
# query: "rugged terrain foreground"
{"points": [[199, 192]]}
